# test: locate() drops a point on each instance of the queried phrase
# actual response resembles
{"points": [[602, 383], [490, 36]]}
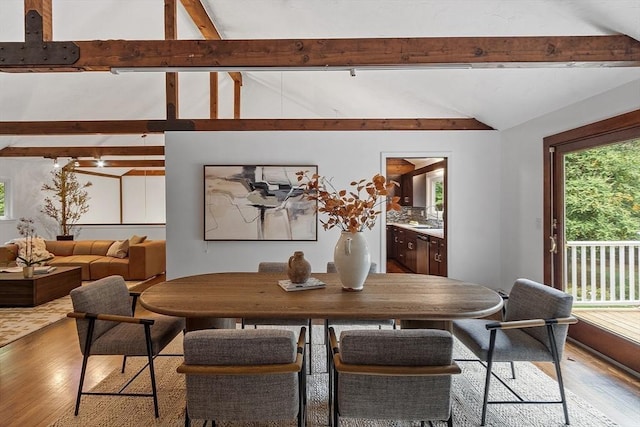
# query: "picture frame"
{"points": [[258, 202]]}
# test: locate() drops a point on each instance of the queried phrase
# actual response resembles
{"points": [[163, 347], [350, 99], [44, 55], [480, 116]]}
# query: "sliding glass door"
{"points": [[592, 231]]}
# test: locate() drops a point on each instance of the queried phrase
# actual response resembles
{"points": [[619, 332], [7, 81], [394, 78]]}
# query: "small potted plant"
{"points": [[69, 201], [31, 255]]}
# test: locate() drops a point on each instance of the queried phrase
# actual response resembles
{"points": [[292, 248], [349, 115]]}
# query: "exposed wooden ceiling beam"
{"points": [[201, 18], [53, 152], [102, 55], [122, 164], [116, 127], [397, 166], [145, 172]]}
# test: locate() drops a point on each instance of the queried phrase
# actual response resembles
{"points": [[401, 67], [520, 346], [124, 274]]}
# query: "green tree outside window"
{"points": [[602, 193]]}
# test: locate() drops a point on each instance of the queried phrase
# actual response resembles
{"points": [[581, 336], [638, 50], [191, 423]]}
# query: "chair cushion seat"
{"points": [[511, 344], [128, 338]]}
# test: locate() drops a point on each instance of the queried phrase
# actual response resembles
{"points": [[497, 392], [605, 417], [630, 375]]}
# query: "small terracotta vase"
{"points": [[27, 272], [299, 268]]}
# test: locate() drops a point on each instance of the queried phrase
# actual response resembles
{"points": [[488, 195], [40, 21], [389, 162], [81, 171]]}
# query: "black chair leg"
{"points": [[556, 364], [124, 363], [310, 347], [487, 381], [147, 333], [85, 359], [513, 370], [327, 345], [187, 420]]}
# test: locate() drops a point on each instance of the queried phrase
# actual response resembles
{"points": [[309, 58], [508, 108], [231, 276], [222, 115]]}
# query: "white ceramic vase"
{"points": [[352, 259]]}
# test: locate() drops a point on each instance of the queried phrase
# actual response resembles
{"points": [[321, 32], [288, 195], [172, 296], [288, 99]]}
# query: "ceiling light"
{"points": [[76, 163], [55, 163], [100, 163]]}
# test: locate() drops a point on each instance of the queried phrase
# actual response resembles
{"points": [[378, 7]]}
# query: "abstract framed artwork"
{"points": [[257, 202]]}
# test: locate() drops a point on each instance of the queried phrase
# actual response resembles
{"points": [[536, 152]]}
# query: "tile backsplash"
{"points": [[406, 214]]}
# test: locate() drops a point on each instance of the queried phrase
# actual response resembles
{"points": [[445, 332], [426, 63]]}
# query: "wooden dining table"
{"points": [[385, 296]]}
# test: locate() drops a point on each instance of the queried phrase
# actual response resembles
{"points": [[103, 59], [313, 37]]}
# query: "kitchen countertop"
{"points": [[435, 232]]}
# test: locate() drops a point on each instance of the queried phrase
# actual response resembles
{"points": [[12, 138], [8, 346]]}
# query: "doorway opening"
{"points": [[416, 236]]}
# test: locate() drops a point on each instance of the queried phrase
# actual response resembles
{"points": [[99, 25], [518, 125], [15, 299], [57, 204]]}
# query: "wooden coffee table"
{"points": [[16, 291]]}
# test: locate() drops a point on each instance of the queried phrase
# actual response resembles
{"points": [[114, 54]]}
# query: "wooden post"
{"points": [[171, 79]]}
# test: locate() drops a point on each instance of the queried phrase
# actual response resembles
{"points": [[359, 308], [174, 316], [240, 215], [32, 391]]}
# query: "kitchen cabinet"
{"points": [[391, 242], [406, 189], [437, 256], [411, 254], [401, 247], [409, 248]]}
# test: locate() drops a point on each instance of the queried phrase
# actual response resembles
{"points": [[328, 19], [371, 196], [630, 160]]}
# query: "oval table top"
{"points": [[391, 295]]}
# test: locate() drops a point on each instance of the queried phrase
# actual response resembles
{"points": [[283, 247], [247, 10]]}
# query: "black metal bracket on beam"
{"points": [[170, 125], [35, 51]]}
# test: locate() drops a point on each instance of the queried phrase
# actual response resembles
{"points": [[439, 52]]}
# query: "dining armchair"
{"points": [[534, 329], [106, 325], [392, 375], [244, 375], [278, 267]]}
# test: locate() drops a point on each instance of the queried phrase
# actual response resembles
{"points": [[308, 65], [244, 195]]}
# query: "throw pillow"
{"points": [[137, 239], [119, 249], [39, 250]]}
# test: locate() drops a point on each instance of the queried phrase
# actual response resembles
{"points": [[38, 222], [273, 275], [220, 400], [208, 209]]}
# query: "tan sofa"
{"points": [[144, 260]]}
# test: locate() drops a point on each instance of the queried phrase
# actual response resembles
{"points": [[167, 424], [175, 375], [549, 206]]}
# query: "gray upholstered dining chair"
{"points": [[278, 267], [245, 375], [392, 375], [106, 326], [534, 329]]}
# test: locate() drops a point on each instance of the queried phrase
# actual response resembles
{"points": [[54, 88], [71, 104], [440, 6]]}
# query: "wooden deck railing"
{"points": [[603, 273]]}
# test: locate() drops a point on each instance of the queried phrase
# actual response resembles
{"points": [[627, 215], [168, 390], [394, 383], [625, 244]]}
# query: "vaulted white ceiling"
{"points": [[501, 98]]}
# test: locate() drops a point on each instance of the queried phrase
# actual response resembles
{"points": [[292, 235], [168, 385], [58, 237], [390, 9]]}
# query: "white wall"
{"points": [[104, 199], [522, 177], [474, 174], [143, 199]]}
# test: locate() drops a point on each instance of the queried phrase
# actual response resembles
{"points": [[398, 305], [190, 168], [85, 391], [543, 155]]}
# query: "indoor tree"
{"points": [[69, 200]]}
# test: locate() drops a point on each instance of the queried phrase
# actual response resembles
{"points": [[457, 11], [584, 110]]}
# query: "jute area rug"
{"points": [[467, 398], [16, 322]]}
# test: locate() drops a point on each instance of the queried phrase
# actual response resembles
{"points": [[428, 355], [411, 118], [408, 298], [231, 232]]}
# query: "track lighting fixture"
{"points": [[55, 163]]}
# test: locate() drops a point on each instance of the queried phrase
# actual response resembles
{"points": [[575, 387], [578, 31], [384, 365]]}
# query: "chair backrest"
{"points": [[272, 267], [395, 397], [109, 295], [532, 300], [241, 397], [331, 267]]}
